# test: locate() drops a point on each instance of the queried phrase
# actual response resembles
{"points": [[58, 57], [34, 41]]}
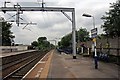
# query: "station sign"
{"points": [[94, 32]]}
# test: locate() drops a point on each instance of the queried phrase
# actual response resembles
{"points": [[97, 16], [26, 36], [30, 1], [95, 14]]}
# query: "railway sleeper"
{"points": [[8, 65], [17, 76], [20, 74]]}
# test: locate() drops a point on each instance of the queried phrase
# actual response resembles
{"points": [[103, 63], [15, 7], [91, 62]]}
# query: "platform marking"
{"points": [[34, 66], [39, 72], [45, 71], [42, 62]]}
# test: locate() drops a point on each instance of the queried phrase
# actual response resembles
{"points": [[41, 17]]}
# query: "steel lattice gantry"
{"points": [[54, 9]]}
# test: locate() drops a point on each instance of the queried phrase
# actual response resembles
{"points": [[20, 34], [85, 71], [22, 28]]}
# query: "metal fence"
{"points": [[107, 49]]}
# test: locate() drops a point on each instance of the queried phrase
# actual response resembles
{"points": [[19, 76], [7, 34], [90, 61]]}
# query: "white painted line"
{"points": [[34, 66], [41, 61], [1, 56], [40, 70], [36, 76], [65, 67]]}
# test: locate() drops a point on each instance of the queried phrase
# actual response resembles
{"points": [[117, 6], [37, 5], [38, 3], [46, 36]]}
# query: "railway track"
{"points": [[17, 69]]}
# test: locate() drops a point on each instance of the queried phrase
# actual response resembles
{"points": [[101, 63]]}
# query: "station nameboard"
{"points": [[94, 32]]}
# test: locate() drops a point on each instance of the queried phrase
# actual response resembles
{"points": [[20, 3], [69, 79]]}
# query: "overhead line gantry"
{"points": [[19, 9]]}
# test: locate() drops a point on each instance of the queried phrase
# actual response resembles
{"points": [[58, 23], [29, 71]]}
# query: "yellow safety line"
{"points": [[45, 71]]}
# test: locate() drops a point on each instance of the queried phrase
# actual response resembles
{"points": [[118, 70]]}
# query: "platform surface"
{"points": [[56, 66], [64, 66], [14, 53]]}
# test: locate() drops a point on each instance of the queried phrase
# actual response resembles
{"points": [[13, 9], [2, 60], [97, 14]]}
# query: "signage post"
{"points": [[93, 35]]}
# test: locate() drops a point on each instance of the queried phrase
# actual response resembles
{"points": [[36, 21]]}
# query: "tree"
{"points": [[42, 44], [59, 44], [83, 35], [42, 39], [34, 43], [66, 40], [112, 20], [7, 35]]}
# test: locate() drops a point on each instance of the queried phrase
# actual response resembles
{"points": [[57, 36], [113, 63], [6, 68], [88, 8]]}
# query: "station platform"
{"points": [[62, 66], [14, 53]]}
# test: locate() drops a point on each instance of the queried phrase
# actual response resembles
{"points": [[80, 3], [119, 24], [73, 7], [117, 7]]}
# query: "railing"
{"points": [[105, 54]]}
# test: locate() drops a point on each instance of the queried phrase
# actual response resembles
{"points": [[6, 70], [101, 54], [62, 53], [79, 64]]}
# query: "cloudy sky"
{"points": [[54, 24]]}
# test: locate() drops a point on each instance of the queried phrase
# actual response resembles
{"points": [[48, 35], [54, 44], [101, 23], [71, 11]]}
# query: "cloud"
{"points": [[55, 24]]}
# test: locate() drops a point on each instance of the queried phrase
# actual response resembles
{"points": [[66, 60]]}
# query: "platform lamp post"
{"points": [[93, 34]]}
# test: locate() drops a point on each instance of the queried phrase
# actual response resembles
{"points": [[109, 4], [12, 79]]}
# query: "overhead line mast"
{"points": [[55, 9]]}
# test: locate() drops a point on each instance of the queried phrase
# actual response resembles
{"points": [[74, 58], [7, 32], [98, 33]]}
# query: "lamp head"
{"points": [[86, 15]]}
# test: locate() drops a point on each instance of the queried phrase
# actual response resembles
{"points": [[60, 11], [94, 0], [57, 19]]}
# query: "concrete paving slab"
{"points": [[64, 66]]}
